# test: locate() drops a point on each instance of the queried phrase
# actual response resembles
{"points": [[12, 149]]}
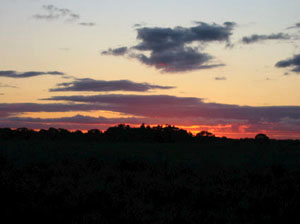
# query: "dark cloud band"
{"points": [[167, 106], [8, 109], [15, 74], [106, 86], [259, 38]]}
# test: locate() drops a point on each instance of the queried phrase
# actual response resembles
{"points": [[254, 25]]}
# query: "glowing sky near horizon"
{"points": [[234, 79]]}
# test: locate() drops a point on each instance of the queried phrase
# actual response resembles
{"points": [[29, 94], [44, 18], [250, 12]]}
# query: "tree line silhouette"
{"points": [[119, 133]]}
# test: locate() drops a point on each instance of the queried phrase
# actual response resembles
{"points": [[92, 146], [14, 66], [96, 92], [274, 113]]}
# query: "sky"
{"points": [[228, 67]]}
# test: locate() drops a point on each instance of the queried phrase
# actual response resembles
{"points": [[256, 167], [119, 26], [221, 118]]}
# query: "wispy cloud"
{"points": [[6, 86], [9, 109], [220, 78], [15, 74], [259, 38], [296, 26], [78, 119], [116, 51], [53, 13], [106, 86], [87, 24]]}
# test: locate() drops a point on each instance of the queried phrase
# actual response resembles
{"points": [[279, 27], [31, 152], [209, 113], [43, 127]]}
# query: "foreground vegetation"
{"points": [[82, 180]]}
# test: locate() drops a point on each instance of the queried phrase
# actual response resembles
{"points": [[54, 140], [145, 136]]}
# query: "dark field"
{"points": [[90, 182]]}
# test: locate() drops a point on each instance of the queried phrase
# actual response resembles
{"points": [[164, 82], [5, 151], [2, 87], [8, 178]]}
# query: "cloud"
{"points": [[170, 49], [53, 13], [138, 25], [159, 39], [9, 109], [178, 60], [106, 86], [296, 26], [78, 119], [166, 106], [14, 74], [6, 86], [220, 78], [293, 63], [259, 38], [87, 24], [115, 52]]}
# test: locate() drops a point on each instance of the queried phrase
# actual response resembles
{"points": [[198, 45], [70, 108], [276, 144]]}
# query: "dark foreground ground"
{"points": [[72, 182]]}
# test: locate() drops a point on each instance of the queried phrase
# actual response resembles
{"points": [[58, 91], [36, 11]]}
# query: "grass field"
{"points": [[80, 182]]}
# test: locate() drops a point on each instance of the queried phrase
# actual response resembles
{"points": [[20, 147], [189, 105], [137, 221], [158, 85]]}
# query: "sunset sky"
{"points": [[229, 67]]}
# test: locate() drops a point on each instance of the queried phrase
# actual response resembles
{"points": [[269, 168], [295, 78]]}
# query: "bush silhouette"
{"points": [[261, 137]]}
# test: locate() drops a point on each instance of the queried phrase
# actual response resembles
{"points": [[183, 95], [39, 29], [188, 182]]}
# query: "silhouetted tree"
{"points": [[261, 137], [205, 134], [24, 133], [94, 134]]}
